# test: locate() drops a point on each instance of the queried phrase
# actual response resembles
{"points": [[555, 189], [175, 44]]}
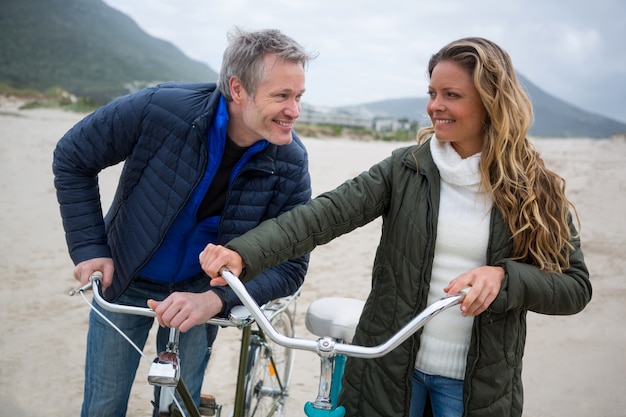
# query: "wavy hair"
{"points": [[530, 197], [243, 57]]}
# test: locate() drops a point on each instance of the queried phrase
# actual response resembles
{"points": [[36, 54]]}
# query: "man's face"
{"points": [[270, 114]]}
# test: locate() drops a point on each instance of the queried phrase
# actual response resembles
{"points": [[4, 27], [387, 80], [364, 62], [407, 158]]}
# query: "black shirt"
{"points": [[213, 202]]}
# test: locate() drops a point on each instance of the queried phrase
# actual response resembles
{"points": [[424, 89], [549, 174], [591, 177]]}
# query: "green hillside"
{"points": [[96, 52], [87, 48]]}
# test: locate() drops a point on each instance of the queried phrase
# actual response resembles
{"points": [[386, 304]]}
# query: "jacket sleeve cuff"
{"points": [[224, 296]]}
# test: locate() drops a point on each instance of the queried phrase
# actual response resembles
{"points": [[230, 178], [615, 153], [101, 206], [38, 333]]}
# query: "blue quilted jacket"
{"points": [[161, 135]]}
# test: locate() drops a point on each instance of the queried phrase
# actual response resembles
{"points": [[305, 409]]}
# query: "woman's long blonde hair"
{"points": [[530, 197]]}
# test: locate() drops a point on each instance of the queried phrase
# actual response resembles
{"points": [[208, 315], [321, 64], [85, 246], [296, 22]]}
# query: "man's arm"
{"points": [[102, 139]]}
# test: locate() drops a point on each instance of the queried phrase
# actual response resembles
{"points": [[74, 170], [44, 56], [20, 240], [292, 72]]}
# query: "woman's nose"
{"points": [[436, 104]]}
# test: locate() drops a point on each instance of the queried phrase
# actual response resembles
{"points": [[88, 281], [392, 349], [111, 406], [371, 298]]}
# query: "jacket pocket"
{"points": [[503, 336], [514, 337]]}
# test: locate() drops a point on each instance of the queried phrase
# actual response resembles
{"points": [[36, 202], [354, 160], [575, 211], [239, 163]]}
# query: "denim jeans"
{"points": [[446, 395], [111, 362]]}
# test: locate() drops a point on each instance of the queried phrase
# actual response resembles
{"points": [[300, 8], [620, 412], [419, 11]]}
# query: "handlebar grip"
{"points": [[95, 275]]}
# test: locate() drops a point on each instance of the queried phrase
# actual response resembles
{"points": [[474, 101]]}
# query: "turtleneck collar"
{"points": [[452, 168]]}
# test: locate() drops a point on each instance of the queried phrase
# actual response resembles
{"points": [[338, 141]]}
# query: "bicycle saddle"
{"points": [[334, 317]]}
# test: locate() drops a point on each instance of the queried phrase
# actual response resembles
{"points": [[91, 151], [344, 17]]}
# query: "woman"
{"points": [[471, 204]]}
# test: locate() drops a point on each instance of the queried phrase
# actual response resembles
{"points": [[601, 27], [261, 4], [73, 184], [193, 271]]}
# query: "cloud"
{"points": [[373, 50]]}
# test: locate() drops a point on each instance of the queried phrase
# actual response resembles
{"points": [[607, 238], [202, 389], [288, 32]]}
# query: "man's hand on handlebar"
{"points": [[85, 269], [214, 258], [184, 310]]}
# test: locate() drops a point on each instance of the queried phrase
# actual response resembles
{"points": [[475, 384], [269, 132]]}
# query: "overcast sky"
{"points": [[374, 50]]}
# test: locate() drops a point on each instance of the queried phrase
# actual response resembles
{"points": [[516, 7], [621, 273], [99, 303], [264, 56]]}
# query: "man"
{"points": [[203, 163]]}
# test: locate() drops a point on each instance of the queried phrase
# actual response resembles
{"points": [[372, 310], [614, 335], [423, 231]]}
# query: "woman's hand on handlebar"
{"points": [[214, 258], [485, 283], [85, 269]]}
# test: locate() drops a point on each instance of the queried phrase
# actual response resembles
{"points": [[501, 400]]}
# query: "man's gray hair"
{"points": [[243, 57]]}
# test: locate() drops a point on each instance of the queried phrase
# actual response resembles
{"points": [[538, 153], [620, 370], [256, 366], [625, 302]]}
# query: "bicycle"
{"points": [[335, 334], [263, 373]]}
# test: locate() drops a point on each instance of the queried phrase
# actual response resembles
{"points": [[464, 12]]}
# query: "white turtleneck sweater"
{"points": [[461, 244]]}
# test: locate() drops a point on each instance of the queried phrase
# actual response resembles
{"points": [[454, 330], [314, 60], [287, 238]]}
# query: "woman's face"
{"points": [[455, 108]]}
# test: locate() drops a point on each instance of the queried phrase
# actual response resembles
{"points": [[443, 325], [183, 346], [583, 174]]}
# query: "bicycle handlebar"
{"points": [[325, 346], [237, 318]]}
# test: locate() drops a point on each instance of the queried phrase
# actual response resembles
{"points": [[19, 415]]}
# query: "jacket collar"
{"points": [[420, 159], [207, 115]]}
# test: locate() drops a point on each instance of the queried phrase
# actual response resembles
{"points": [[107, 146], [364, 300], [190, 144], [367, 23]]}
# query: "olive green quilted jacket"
{"points": [[404, 190]]}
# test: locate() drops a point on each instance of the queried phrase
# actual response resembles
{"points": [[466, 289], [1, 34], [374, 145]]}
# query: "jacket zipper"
{"points": [[194, 127], [428, 266]]}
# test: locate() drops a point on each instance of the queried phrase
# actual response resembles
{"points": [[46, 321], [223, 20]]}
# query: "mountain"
{"points": [[95, 51], [87, 48], [553, 117]]}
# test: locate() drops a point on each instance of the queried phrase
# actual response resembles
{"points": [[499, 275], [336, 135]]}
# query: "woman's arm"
{"points": [[527, 287]]}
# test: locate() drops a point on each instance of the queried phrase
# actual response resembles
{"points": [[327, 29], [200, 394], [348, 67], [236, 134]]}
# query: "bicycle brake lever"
{"points": [[81, 289], [96, 275]]}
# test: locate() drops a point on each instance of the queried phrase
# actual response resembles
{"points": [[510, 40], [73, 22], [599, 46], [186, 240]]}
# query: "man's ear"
{"points": [[237, 91]]}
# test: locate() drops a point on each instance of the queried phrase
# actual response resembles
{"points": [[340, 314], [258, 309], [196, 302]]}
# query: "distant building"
{"points": [[326, 115], [388, 124], [355, 117]]}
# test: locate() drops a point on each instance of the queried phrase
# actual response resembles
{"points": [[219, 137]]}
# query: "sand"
{"points": [[574, 366]]}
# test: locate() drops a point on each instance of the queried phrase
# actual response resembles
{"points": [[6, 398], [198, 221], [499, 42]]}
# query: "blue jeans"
{"points": [[446, 395], [111, 362]]}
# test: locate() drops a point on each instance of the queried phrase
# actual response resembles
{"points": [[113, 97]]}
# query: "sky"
{"points": [[375, 50]]}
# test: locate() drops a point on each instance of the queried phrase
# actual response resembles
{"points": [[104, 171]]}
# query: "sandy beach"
{"points": [[574, 366]]}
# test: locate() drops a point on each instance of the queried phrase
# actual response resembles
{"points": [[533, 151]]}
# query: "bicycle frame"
{"points": [[327, 348]]}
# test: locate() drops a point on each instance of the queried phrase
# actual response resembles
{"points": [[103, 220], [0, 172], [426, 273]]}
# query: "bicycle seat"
{"points": [[335, 317]]}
